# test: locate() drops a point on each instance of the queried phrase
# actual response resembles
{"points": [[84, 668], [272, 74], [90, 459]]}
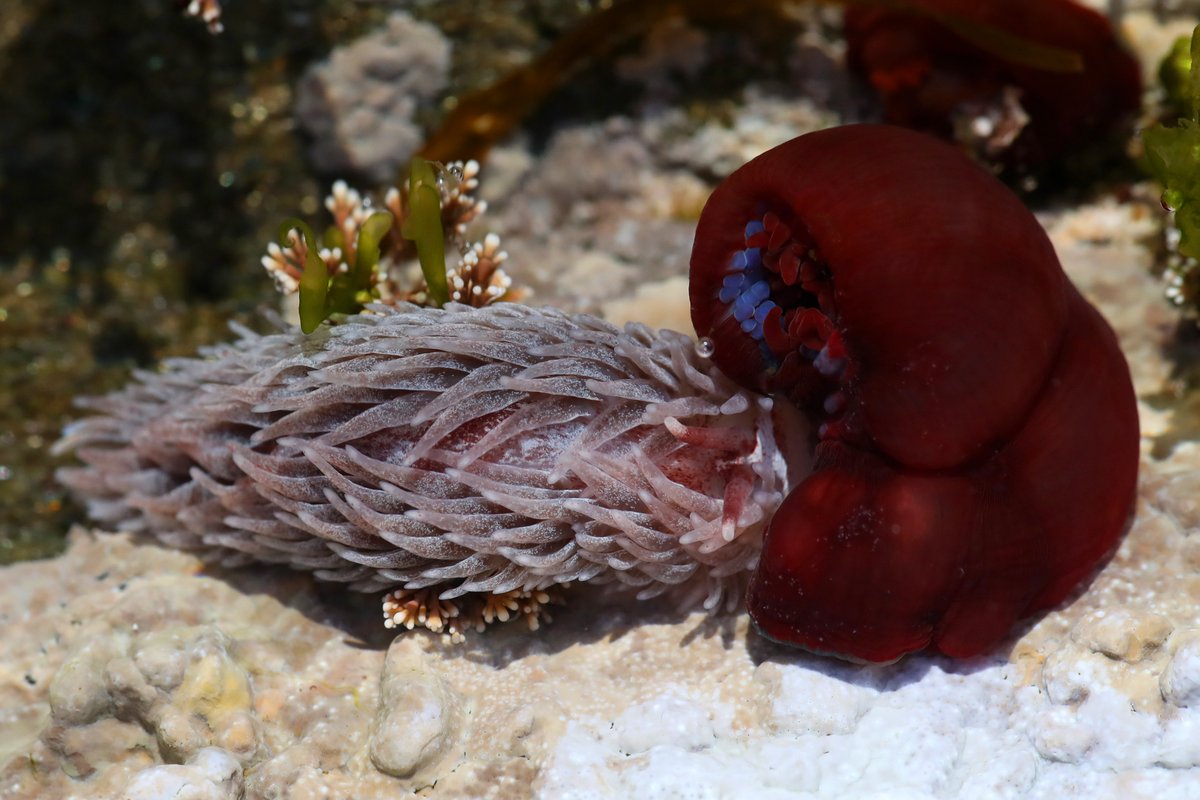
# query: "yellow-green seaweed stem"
{"points": [[423, 226]]}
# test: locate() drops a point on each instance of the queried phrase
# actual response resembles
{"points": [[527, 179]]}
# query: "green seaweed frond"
{"points": [[350, 290], [339, 287], [362, 256], [1175, 76], [1173, 154], [423, 227], [314, 280]]}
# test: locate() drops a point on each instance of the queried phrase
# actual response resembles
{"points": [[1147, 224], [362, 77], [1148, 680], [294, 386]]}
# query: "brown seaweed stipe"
{"points": [[483, 117]]}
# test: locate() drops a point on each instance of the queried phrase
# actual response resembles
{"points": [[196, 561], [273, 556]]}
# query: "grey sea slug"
{"points": [[496, 450]]}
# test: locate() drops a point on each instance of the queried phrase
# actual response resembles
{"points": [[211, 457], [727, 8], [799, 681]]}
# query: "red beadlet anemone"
{"points": [[1017, 115], [977, 433]]}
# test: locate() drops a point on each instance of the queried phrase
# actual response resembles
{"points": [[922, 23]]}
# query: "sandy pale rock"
{"points": [[416, 725], [212, 774], [1123, 634]]}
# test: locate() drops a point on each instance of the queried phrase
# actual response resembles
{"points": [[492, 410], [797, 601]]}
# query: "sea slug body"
{"points": [[977, 433], [468, 450]]}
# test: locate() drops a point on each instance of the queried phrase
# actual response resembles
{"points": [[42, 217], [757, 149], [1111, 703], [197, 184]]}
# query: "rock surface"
{"points": [[358, 105]]}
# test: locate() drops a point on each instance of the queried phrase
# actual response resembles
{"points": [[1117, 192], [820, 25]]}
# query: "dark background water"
{"points": [[144, 165]]}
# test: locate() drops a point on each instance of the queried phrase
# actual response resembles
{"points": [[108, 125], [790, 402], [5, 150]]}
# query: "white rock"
{"points": [[810, 701], [1180, 681], [669, 720]]}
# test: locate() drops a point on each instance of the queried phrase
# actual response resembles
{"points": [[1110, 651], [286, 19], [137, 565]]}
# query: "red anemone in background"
{"points": [[977, 442], [1015, 115]]}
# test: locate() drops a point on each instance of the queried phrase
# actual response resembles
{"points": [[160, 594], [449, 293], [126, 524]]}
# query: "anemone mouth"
{"points": [[779, 291], [775, 274]]}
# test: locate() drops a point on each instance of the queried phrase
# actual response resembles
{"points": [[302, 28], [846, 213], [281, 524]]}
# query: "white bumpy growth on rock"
{"points": [[472, 450]]}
